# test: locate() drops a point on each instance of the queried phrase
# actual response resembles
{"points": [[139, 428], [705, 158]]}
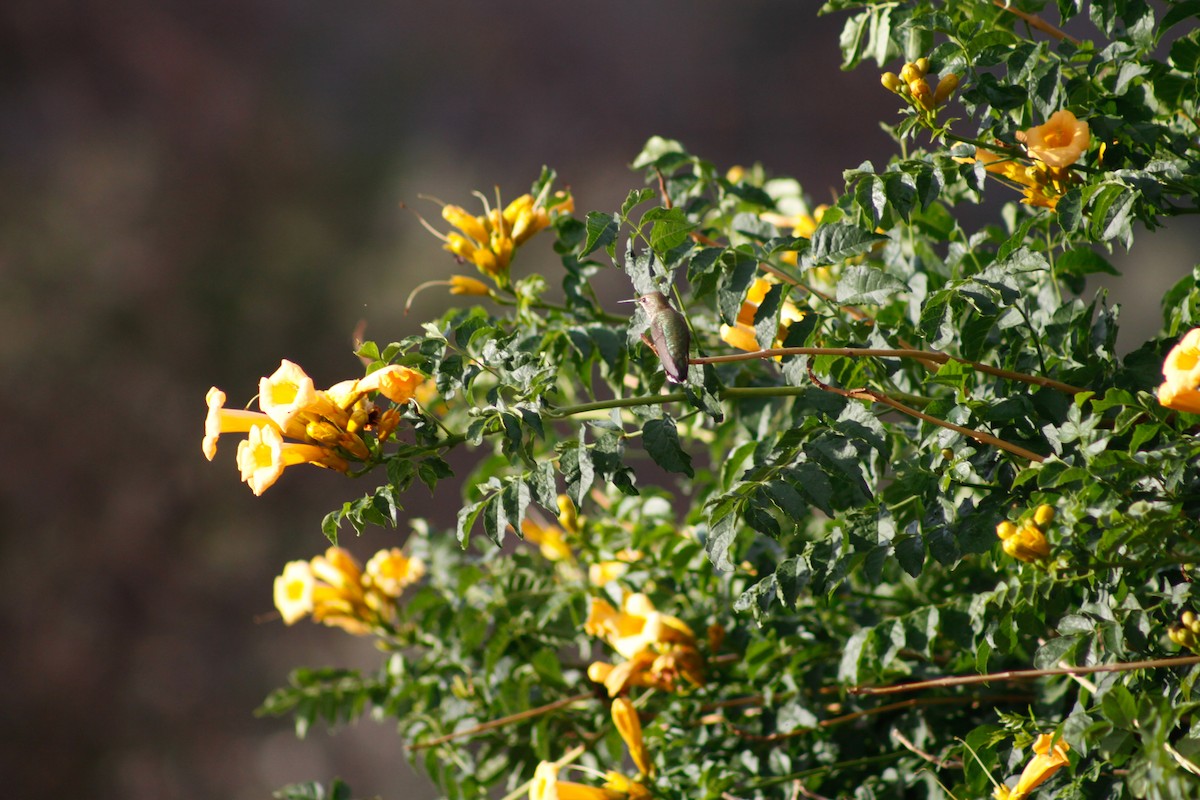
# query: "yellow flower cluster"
{"points": [[913, 85], [488, 241], [1052, 148], [335, 590], [326, 425], [658, 648], [1027, 542], [1181, 370], [741, 333], [1047, 760]]}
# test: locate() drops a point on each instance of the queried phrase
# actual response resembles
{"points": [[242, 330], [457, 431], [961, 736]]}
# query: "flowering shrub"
{"points": [[906, 524]]}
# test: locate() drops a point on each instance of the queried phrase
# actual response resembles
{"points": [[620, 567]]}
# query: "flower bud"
{"points": [[567, 515], [945, 88], [462, 284], [891, 82], [1188, 618], [922, 65], [470, 225], [910, 73], [625, 717], [921, 93], [1028, 544], [1006, 530], [1043, 515]]}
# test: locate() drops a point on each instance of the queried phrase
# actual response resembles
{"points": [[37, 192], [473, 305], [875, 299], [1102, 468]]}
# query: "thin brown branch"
{"points": [[662, 187], [979, 436], [483, 727], [800, 790], [1022, 675], [844, 718], [953, 763], [923, 355], [1035, 21]]}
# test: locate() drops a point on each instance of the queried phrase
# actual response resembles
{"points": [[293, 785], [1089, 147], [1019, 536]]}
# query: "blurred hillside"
{"points": [[191, 192]]}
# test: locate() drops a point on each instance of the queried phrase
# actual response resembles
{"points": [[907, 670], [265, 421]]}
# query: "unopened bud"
{"points": [[947, 453], [1187, 618], [462, 284], [922, 65], [1006, 530], [1028, 544], [324, 432], [1043, 515], [945, 88], [910, 73], [470, 225], [567, 516], [921, 93], [890, 81]]}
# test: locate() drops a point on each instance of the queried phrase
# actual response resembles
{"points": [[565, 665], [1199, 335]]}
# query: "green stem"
{"points": [[808, 773], [617, 402]]}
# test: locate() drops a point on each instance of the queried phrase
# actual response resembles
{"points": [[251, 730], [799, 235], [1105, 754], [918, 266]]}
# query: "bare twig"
{"points": [[979, 436], [1022, 675], [502, 721], [953, 763], [861, 352], [1035, 21]]}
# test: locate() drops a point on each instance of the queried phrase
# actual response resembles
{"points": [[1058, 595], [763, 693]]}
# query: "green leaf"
{"points": [[1112, 213], [466, 520], [722, 530], [1185, 53], [1082, 261], [670, 229], [1120, 708], [910, 552], [738, 270], [656, 150], [661, 440], [860, 284], [601, 231], [834, 243]]}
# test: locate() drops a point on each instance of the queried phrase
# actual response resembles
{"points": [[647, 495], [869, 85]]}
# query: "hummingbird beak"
{"points": [[634, 300]]}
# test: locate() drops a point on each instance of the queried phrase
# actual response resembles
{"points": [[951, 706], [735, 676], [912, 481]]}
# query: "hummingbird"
{"points": [[669, 334]]}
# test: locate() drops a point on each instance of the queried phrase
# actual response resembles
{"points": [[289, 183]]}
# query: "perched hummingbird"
{"points": [[669, 335]]}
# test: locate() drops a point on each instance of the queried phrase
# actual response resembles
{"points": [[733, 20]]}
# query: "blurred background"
{"points": [[190, 192]]}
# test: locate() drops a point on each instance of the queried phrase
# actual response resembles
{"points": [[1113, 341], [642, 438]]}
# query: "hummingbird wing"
{"points": [[674, 359]]}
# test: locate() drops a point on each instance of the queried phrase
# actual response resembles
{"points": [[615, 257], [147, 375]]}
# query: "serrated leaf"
{"points": [[1120, 707], [661, 440], [860, 284], [910, 553], [834, 243], [670, 228], [601, 231], [655, 148], [722, 531], [1082, 261], [635, 198], [738, 270]]}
